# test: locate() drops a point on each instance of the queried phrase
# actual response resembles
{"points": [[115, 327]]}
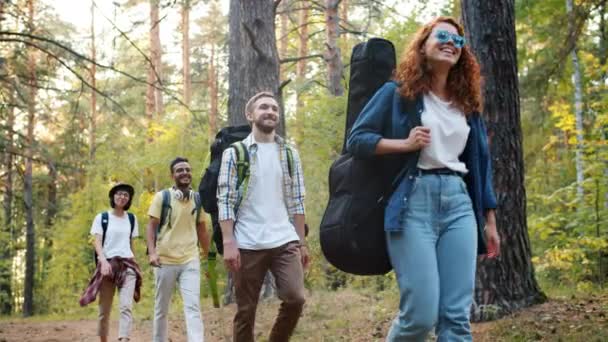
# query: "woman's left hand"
{"points": [[492, 240]]}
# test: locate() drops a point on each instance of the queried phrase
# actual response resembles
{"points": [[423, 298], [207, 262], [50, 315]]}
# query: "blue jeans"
{"points": [[434, 258]]}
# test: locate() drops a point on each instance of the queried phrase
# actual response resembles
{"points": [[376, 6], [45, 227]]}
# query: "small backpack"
{"points": [[105, 217], [228, 137]]}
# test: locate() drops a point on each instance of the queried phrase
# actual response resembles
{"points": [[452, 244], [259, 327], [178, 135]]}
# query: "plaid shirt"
{"points": [[228, 197], [119, 270]]}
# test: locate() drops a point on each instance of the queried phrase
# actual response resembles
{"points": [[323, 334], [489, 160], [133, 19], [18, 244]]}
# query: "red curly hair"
{"points": [[463, 83]]}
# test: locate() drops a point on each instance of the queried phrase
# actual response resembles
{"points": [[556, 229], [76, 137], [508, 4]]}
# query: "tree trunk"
{"points": [[578, 111], [186, 52], [345, 41], [603, 28], [254, 61], [93, 123], [332, 54], [151, 79], [283, 39], [213, 93], [51, 209], [30, 237], [51, 213], [6, 231], [301, 71], [155, 56], [507, 283]]}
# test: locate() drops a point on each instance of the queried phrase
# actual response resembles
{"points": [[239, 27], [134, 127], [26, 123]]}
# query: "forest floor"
{"points": [[345, 315]]}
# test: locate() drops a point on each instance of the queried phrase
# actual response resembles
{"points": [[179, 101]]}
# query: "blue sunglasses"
{"points": [[445, 36]]}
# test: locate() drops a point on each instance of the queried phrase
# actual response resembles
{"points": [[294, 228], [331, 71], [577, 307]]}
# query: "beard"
{"points": [[183, 181], [261, 125]]}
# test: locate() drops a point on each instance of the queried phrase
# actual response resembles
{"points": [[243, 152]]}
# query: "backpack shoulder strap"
{"points": [[104, 226], [164, 210], [242, 167], [289, 159], [132, 222], [197, 206], [242, 161]]}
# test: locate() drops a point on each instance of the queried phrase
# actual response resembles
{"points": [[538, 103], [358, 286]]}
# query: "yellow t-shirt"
{"points": [[177, 242]]}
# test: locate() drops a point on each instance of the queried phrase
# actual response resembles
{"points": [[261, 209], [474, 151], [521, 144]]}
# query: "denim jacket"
{"points": [[371, 126]]}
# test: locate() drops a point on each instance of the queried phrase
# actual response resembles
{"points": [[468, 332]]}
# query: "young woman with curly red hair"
{"points": [[441, 214]]}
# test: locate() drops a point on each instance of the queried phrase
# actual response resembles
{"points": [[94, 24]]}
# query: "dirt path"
{"points": [[343, 316]]}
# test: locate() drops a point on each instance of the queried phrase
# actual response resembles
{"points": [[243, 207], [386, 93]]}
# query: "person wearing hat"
{"points": [[113, 232]]}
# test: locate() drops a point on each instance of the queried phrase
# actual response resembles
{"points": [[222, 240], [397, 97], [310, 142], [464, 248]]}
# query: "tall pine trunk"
{"points": [[213, 93], [30, 237], [284, 35], [93, 122], [507, 283], [254, 60], [301, 71], [332, 54], [578, 109], [6, 231], [186, 52]]}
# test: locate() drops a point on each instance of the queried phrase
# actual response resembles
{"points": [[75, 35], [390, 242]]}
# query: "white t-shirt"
{"points": [[263, 220], [449, 134], [117, 236]]}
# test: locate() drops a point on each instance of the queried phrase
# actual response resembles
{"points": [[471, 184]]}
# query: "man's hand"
{"points": [[106, 268], [305, 256], [154, 259], [232, 257]]}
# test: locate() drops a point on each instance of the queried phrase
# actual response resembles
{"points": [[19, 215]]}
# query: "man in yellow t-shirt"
{"points": [[173, 251]]}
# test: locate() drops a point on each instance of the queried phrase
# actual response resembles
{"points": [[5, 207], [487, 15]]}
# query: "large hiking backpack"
{"points": [[105, 218], [207, 188], [352, 228], [228, 137]]}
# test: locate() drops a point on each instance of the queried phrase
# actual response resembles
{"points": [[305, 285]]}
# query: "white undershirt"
{"points": [[263, 221], [449, 133], [118, 242]]}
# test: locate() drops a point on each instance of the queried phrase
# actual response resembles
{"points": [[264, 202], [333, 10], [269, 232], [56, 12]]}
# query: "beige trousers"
{"points": [[125, 302]]}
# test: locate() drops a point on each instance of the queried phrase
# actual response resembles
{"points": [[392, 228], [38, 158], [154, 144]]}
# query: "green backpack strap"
{"points": [[242, 166], [289, 160]]}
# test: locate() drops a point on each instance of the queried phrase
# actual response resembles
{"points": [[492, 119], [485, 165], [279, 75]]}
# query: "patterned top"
{"points": [[228, 197], [119, 271]]}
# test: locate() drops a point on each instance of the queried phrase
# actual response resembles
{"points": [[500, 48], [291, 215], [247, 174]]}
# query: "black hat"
{"points": [[122, 186], [125, 187]]}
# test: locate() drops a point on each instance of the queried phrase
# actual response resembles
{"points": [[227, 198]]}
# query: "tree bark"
{"points": [[213, 93], [186, 52], [507, 283], [344, 10], [93, 123], [301, 71], [283, 39], [578, 109], [155, 56], [332, 53], [30, 237], [6, 231], [254, 61]]}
